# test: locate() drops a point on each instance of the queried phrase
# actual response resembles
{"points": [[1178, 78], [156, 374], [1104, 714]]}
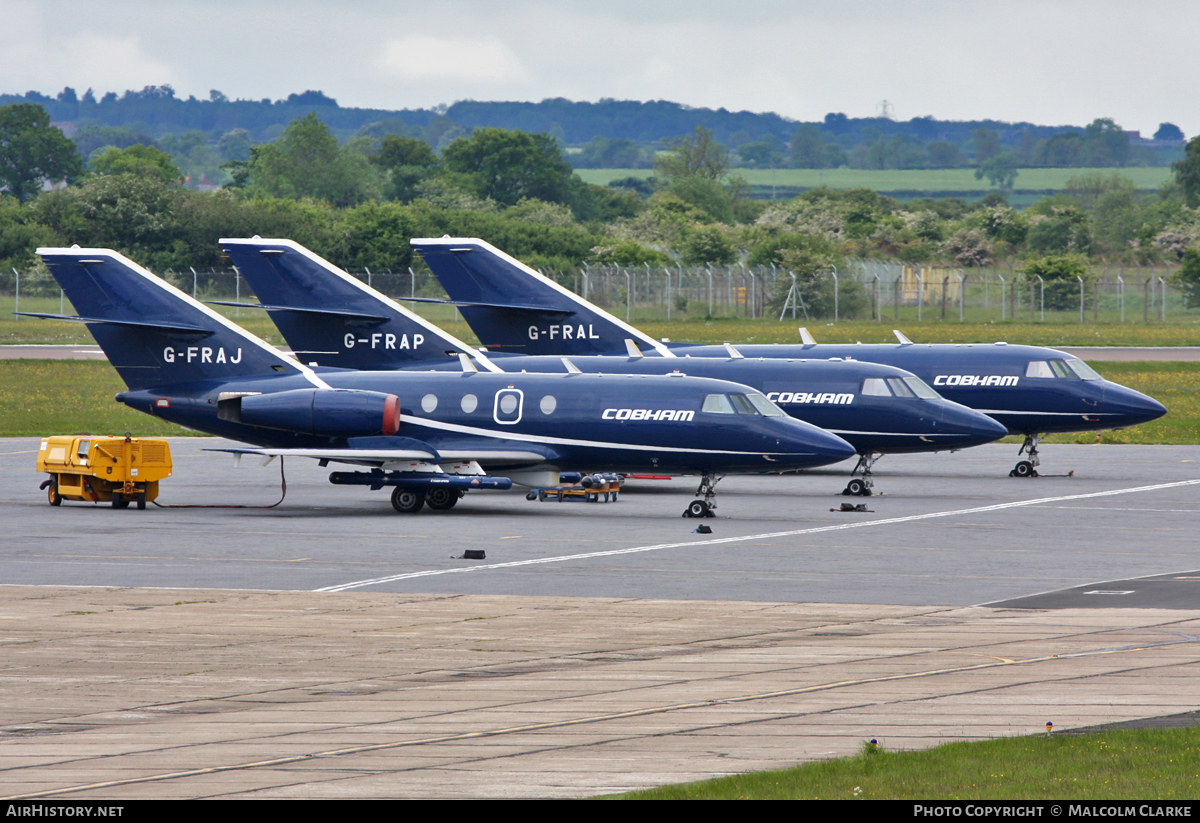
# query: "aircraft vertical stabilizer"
{"points": [[512, 308]]}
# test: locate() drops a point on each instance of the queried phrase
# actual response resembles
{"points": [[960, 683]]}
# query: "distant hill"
{"points": [[156, 111]]}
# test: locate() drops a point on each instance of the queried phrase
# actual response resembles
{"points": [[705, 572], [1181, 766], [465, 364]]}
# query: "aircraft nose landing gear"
{"points": [[705, 507], [1027, 468], [862, 487]]}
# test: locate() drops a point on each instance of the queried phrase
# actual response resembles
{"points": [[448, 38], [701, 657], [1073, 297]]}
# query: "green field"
{"points": [[931, 180], [1144, 764], [42, 397]]}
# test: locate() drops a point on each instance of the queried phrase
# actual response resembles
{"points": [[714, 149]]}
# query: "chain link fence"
{"points": [[878, 290]]}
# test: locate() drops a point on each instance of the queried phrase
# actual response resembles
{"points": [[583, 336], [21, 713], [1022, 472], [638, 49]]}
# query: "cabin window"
{"points": [[717, 404], [1038, 368], [429, 403], [469, 403], [548, 404], [876, 387], [900, 388]]}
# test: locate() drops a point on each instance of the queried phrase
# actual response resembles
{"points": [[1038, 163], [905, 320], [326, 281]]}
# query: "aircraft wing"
{"points": [[414, 456]]}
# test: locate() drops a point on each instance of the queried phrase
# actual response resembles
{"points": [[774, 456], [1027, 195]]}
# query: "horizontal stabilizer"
{"points": [[476, 305], [172, 328], [344, 315]]}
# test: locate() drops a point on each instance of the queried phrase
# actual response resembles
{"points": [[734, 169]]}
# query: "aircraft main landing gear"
{"points": [[705, 507], [407, 501], [1028, 468], [862, 486], [442, 499]]}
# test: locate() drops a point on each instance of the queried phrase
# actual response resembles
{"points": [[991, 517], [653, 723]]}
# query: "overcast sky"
{"points": [[1054, 62]]}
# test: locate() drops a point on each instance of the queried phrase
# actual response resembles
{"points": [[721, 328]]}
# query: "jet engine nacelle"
{"points": [[325, 412]]}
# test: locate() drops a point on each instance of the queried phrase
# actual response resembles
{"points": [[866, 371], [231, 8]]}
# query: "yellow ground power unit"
{"points": [[120, 470]]}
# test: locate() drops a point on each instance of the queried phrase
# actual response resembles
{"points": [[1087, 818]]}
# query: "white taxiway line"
{"points": [[861, 524]]}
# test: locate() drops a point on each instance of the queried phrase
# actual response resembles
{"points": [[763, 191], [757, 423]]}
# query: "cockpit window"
{"points": [[765, 406], [1061, 370], [900, 388], [921, 388], [717, 404], [1082, 369], [742, 404], [876, 387]]}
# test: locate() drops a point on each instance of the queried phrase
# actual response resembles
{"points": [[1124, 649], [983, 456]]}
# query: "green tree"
{"points": [[943, 155], [707, 244], [808, 149], [1189, 277], [406, 161], [1060, 273], [694, 155], [142, 161], [987, 144], [32, 151], [1000, 170], [509, 166], [1187, 172], [307, 161]]}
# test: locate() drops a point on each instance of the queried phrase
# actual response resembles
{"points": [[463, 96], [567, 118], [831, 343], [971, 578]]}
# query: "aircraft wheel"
{"points": [[857, 488], [119, 501], [1024, 469], [697, 508], [441, 499], [531, 495], [52, 495], [407, 501]]}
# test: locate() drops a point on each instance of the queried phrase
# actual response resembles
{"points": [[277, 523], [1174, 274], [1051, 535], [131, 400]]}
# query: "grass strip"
{"points": [[1140, 764]]}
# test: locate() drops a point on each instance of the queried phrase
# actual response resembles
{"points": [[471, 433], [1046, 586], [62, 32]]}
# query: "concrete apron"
{"points": [[155, 693]]}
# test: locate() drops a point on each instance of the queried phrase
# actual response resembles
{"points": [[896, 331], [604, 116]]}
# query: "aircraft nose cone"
{"points": [[829, 447], [965, 427], [1127, 407]]}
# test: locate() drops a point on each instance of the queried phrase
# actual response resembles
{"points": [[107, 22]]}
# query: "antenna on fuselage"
{"points": [[904, 341], [806, 338]]}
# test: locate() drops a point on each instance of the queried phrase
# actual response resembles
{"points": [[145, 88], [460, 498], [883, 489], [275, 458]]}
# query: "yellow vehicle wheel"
{"points": [[52, 494]]}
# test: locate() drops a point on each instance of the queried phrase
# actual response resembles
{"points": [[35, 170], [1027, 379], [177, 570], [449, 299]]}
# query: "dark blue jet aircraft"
{"points": [[1032, 391], [429, 435], [331, 318]]}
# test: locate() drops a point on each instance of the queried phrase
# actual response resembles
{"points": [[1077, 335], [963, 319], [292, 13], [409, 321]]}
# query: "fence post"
{"points": [[896, 296], [17, 307], [1003, 304], [1162, 303], [1080, 279], [1042, 292], [962, 293], [835, 293], [1121, 295], [628, 295], [710, 289]]}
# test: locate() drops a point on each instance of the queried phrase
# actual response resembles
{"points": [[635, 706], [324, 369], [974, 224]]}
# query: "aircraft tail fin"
{"points": [[154, 334], [512, 308], [330, 318]]}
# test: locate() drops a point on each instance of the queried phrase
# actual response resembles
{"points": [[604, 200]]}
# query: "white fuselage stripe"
{"points": [[886, 521], [564, 441]]}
